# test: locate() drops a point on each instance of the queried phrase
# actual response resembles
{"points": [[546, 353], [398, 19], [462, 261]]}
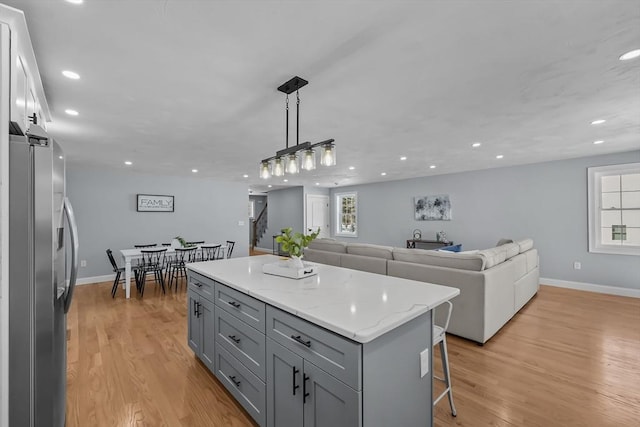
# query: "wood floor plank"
{"points": [[568, 358]]}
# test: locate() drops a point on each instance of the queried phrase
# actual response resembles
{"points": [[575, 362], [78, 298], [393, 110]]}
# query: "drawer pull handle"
{"points": [[233, 379], [234, 304], [295, 386], [305, 378], [301, 341], [234, 339]]}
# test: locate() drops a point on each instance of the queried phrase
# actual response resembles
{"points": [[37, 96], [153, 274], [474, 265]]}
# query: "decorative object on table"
{"points": [[441, 236], [432, 208], [293, 244], [301, 156], [417, 234], [179, 242], [154, 203]]}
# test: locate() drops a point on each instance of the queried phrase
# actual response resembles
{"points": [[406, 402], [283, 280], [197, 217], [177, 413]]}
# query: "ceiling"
{"points": [[178, 85]]}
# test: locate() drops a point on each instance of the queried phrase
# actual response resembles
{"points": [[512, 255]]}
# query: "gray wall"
{"points": [[105, 206], [544, 201], [286, 209]]}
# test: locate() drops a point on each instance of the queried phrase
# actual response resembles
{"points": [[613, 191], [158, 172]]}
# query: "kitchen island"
{"points": [[341, 348]]}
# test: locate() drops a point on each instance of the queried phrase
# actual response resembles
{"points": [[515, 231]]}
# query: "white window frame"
{"points": [[595, 200], [338, 230]]}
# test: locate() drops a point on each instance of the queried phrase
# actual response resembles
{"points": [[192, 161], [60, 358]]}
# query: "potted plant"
{"points": [[179, 242], [294, 243]]}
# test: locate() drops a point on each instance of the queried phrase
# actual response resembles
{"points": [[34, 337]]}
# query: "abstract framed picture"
{"points": [[432, 208], [154, 203]]}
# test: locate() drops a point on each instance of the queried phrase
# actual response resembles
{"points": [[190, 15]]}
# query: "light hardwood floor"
{"points": [[569, 358]]}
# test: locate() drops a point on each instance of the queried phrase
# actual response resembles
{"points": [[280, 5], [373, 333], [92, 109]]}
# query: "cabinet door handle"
{"points": [[234, 339], [195, 309], [233, 379], [305, 378], [234, 304], [301, 341], [295, 386]]}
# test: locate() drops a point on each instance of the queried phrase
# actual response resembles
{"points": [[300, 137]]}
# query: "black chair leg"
{"points": [[114, 288], [162, 283]]}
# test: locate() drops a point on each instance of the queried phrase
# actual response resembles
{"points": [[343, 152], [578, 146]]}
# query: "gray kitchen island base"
{"points": [[290, 371]]}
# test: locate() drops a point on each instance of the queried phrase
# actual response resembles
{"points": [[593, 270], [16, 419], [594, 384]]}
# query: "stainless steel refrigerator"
{"points": [[40, 290]]}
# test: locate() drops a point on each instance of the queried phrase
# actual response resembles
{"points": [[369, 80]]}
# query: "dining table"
{"points": [[129, 255]]}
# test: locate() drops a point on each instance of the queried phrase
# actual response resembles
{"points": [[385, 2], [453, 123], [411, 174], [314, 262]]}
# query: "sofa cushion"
{"points": [[473, 262], [493, 256], [329, 245], [503, 241], [364, 263], [512, 249], [364, 249], [323, 257], [525, 244], [520, 266]]}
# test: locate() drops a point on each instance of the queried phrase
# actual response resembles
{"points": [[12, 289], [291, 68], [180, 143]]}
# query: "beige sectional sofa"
{"points": [[494, 283]]}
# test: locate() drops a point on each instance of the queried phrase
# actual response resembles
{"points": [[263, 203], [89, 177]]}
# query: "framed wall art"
{"points": [[432, 208], [154, 203]]}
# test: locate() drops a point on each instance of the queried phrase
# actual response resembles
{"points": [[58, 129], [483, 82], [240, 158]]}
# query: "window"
{"points": [[614, 209], [347, 214], [252, 209]]}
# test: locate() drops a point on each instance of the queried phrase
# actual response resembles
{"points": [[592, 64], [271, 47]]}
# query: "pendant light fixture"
{"points": [[292, 159]]}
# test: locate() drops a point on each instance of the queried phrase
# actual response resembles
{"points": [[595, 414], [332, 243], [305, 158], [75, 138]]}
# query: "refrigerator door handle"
{"points": [[74, 253]]}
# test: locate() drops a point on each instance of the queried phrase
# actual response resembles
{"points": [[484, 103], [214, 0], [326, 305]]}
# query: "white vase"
{"points": [[296, 262]]}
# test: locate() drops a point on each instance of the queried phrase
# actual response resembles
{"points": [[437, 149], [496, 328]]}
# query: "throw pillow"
{"points": [[452, 248]]}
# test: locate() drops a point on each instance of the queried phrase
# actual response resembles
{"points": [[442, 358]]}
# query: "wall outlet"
{"points": [[424, 362], [240, 222], [83, 263], [577, 265]]}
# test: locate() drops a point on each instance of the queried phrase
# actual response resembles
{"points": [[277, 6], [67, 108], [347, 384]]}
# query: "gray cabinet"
{"points": [[201, 328], [301, 394]]}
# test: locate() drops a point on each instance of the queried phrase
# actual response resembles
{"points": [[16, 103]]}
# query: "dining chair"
{"points": [[440, 338], [198, 255], [178, 268], [152, 262], [230, 246], [119, 273], [210, 252]]}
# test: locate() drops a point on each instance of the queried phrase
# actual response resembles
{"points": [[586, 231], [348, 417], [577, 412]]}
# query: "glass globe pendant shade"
{"points": [[309, 159], [328, 156], [292, 164], [278, 167], [265, 170]]}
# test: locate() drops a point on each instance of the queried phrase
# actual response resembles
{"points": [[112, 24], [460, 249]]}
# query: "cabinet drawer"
{"points": [[242, 306], [248, 389], [201, 285], [336, 355], [242, 341]]}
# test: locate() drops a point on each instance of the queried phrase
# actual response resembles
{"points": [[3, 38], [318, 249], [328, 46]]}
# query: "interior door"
{"points": [[318, 214]]}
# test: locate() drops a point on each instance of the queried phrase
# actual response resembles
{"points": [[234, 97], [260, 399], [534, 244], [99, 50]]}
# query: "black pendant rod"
{"points": [[297, 118], [287, 122]]}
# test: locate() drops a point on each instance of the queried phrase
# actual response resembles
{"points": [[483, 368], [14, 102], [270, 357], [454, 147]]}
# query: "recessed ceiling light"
{"points": [[317, 183], [245, 176], [75, 1], [269, 185], [476, 144], [598, 122], [630, 55], [499, 156], [351, 168], [598, 142], [286, 180], [194, 170], [128, 163], [403, 158], [71, 112], [60, 157], [432, 166], [71, 74], [383, 173]]}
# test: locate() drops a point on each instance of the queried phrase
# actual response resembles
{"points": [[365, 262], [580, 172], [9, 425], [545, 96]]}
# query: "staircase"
{"points": [[259, 226]]}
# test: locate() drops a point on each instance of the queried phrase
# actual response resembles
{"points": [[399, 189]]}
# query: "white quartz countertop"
{"points": [[355, 304]]}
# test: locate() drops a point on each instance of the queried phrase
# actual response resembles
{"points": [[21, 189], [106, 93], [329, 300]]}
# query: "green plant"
{"points": [[183, 242], [294, 243]]}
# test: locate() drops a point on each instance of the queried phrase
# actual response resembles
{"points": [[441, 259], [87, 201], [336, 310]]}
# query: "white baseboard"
{"points": [[96, 279], [590, 287], [263, 249]]}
